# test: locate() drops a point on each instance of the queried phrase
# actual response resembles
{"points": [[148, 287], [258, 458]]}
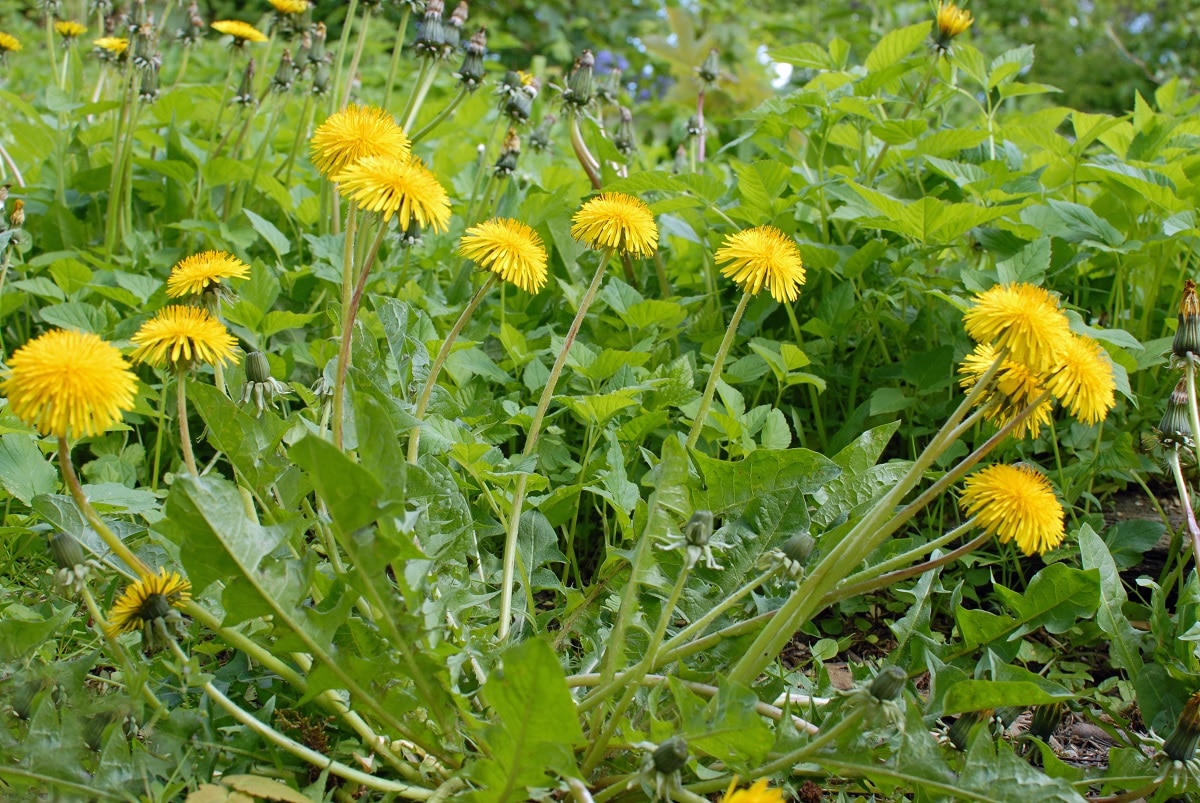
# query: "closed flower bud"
{"points": [[471, 73], [710, 70], [671, 755], [1175, 429], [257, 367], [431, 37], [1046, 719], [148, 90], [625, 140], [610, 90], [285, 74], [316, 53], [960, 732], [539, 140], [245, 93], [579, 91], [321, 79], [1187, 337], [452, 30], [1181, 744], [888, 684], [699, 528], [799, 547], [509, 151], [693, 126], [68, 553], [17, 218], [260, 387]]}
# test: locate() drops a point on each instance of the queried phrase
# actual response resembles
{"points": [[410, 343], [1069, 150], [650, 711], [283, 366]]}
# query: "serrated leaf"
{"points": [[1124, 646], [995, 773], [732, 484], [1027, 265], [897, 44], [24, 470]]}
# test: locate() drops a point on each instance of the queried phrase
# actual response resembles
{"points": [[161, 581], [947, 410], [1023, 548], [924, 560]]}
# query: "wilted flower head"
{"points": [[470, 75], [763, 257], [1186, 345], [1015, 503], [68, 384], [618, 221], [510, 150], [509, 249], [1175, 429]]}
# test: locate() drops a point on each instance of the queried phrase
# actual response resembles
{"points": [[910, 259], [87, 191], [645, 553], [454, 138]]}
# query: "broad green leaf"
{"points": [[24, 470], [727, 727], [977, 695], [22, 630], [761, 184], [732, 484], [897, 44], [71, 275], [275, 238], [251, 443], [350, 491], [1027, 265], [529, 694], [1124, 641], [994, 772], [598, 410], [1056, 598]]}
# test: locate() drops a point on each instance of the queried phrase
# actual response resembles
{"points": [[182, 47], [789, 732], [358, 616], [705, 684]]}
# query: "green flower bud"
{"points": [[1176, 425], [68, 553], [1046, 719], [710, 70], [1187, 337], [471, 73], [671, 755], [285, 74], [579, 91], [888, 684], [1181, 744]]}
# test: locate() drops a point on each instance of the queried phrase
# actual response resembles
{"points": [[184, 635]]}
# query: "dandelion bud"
{"points": [[625, 140], [509, 151], [693, 126], [431, 37], [699, 528], [1187, 337], [260, 387], [579, 92], [960, 732], [301, 60], [453, 28], [610, 90], [1046, 719], [67, 552], [539, 140], [519, 105], [681, 160], [17, 218], [316, 52], [245, 93], [285, 74], [321, 79], [144, 51], [139, 17], [1176, 425], [799, 547], [671, 755], [471, 73], [1181, 744], [888, 684], [148, 90], [100, 7], [710, 70]]}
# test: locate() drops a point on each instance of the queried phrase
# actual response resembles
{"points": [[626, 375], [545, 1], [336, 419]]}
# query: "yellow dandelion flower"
{"points": [[353, 133], [114, 45], [1084, 381], [401, 187], [1015, 503], [758, 792], [1022, 318], [618, 221], [153, 597], [204, 272], [180, 337], [290, 6], [69, 29], [951, 21], [68, 384], [509, 249], [8, 43], [242, 32], [1014, 387], [763, 257]]}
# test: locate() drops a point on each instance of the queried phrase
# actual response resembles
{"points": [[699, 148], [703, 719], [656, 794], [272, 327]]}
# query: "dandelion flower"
{"points": [[242, 32], [204, 272], [509, 249], [1015, 503], [69, 29], [401, 187], [1084, 380], [1014, 388], [8, 43], [758, 792], [353, 133], [181, 337], [618, 221], [1022, 318], [111, 45], [290, 6], [763, 257], [153, 597], [952, 21], [68, 383]]}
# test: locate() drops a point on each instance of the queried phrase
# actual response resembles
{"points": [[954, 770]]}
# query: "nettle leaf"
{"points": [[1125, 642], [24, 470]]}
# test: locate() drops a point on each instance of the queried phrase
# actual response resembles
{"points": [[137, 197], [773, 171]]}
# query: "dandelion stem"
{"points": [[185, 437], [715, 374], [358, 51], [436, 368], [397, 48], [441, 116], [343, 363], [114, 647], [428, 73], [93, 518], [1185, 502]]}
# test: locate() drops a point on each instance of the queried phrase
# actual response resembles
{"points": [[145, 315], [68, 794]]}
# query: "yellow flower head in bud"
{"points": [[401, 187], [8, 43], [149, 598], [353, 133], [509, 249], [1014, 387], [1084, 382], [1022, 318], [1015, 503], [182, 337], [116, 45], [68, 384], [763, 257], [618, 221], [290, 6], [69, 29], [242, 32], [758, 792], [204, 271], [952, 21]]}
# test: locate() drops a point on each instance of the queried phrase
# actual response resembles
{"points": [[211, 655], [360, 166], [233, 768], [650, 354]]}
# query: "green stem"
{"points": [[441, 116], [798, 755], [185, 437], [358, 51], [586, 160], [414, 437], [535, 428], [93, 518], [1186, 502], [114, 647], [339, 386], [882, 581], [348, 25], [319, 760], [428, 73], [397, 48], [715, 374]]}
